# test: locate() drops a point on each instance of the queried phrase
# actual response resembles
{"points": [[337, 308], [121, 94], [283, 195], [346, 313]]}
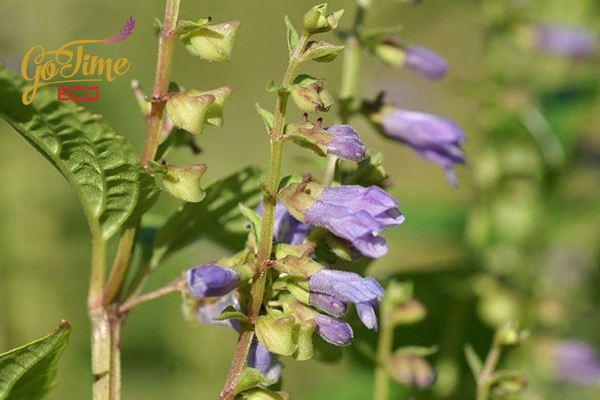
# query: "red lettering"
{"points": [[74, 89], [92, 88], [63, 93]]}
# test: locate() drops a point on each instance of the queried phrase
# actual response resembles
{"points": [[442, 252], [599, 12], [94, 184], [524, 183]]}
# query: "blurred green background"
{"points": [[44, 242]]}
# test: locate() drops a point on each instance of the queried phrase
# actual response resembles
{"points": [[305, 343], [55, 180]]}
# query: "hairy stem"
{"points": [[177, 285], [381, 390], [118, 273], [265, 242], [162, 78], [484, 378]]}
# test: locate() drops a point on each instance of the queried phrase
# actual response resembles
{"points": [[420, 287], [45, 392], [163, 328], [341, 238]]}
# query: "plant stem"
{"points": [[265, 242], [176, 285], [483, 380], [381, 389], [162, 78], [118, 273]]}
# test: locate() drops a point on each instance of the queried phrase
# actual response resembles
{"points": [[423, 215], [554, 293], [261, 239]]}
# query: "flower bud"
{"points": [[425, 62], [184, 182], [310, 95], [211, 280], [509, 384], [212, 42], [389, 52], [316, 20], [410, 313], [333, 330], [411, 369], [321, 51], [188, 111]]}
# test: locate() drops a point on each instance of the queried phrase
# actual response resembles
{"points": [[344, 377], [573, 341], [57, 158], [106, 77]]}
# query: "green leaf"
{"points": [[292, 34], [267, 117], [473, 360], [231, 313], [101, 166], [254, 219], [217, 217], [28, 372]]}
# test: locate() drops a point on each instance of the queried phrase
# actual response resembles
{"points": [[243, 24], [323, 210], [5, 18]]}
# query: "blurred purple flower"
{"points": [[333, 330], [577, 362], [208, 310], [567, 41], [264, 361], [432, 138], [425, 62], [347, 144], [357, 214], [211, 280], [349, 287], [287, 229]]}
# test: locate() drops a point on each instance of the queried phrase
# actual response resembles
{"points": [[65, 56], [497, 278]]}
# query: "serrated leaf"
{"points": [[28, 372], [102, 167], [216, 218], [292, 34], [473, 360]]}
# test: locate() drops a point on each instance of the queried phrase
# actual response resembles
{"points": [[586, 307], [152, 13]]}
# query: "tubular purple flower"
{"points": [[328, 304], [333, 330], [577, 362], [211, 280], [346, 143], [425, 62], [287, 229], [264, 361], [357, 214], [207, 311], [349, 287], [432, 138], [566, 41]]}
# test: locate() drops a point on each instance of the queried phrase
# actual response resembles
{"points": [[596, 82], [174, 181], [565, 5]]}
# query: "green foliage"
{"points": [[216, 218], [28, 372], [101, 166]]}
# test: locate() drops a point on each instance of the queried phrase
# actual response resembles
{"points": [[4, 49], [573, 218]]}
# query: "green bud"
{"points": [[509, 335], [214, 115], [184, 182], [212, 42], [509, 383], [276, 333], [316, 20], [397, 294], [410, 313], [369, 171], [389, 52], [265, 394], [320, 51], [189, 112], [310, 95]]}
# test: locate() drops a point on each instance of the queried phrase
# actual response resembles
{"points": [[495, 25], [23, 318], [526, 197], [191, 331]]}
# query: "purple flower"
{"points": [[211, 280], [577, 362], [346, 143], [567, 41], [425, 62], [349, 287], [432, 138], [287, 229], [357, 214], [333, 330], [264, 361], [327, 303], [207, 311]]}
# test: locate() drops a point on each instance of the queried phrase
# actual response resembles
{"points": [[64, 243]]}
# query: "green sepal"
{"points": [[184, 182], [212, 42], [282, 250], [316, 20], [369, 172], [305, 350], [309, 136], [277, 333], [264, 394], [185, 27], [310, 95], [292, 34], [188, 111], [321, 51], [231, 313], [214, 114], [341, 248]]}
